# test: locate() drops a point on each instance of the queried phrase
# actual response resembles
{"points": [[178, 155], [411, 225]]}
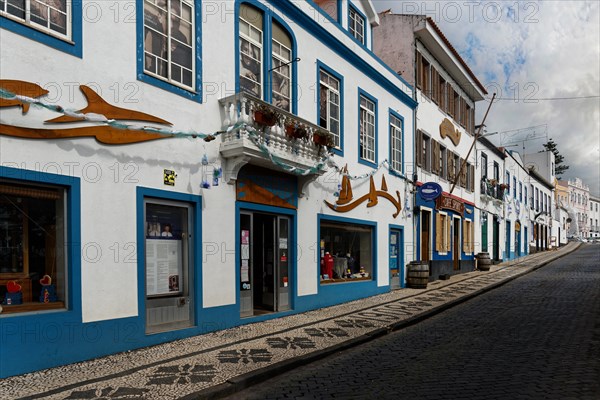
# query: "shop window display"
{"points": [[32, 244], [346, 252]]}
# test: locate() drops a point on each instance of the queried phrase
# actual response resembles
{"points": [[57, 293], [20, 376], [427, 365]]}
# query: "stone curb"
{"points": [[246, 380]]}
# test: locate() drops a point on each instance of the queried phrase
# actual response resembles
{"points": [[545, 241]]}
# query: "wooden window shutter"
{"points": [[435, 147], [451, 100], [435, 85], [419, 70], [450, 157], [463, 173], [439, 231], [465, 236], [471, 242], [419, 148], [472, 127], [448, 230], [472, 176]]}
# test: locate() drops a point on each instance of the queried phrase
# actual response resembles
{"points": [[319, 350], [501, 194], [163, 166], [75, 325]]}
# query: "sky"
{"points": [[527, 52]]}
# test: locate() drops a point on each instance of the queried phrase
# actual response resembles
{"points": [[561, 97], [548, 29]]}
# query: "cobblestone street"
{"points": [[535, 337]]}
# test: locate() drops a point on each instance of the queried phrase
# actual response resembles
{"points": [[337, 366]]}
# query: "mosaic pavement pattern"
{"points": [[184, 367]]}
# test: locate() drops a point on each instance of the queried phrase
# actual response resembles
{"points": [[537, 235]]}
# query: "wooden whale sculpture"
{"points": [[105, 134], [20, 88], [98, 105]]}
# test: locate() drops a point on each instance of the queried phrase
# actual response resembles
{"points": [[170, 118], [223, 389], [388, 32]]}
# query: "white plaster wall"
{"points": [[108, 214]]}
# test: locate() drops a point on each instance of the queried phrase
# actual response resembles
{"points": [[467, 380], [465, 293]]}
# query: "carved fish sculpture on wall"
{"points": [[96, 105]]}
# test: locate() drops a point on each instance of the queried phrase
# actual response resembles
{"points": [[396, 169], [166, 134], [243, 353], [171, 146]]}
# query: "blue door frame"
{"points": [[396, 257]]}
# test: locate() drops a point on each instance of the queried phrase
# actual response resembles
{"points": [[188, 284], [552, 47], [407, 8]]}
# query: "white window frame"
{"points": [[282, 60], [169, 38], [355, 21], [68, 15], [330, 91], [260, 57], [396, 139], [367, 129]]}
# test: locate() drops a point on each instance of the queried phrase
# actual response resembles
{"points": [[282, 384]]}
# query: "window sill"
{"points": [[31, 306], [344, 280]]}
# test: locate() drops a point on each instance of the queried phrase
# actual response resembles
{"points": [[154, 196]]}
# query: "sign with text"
{"points": [[445, 202]]}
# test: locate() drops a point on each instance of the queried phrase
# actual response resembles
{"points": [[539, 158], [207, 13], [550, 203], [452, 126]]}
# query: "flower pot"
{"points": [[265, 118], [295, 132], [320, 140]]}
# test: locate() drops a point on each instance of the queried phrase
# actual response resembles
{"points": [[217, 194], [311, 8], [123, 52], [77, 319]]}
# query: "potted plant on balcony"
{"points": [[266, 116], [323, 138], [295, 131]]}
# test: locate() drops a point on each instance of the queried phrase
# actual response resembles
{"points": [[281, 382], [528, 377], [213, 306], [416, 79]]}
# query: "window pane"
{"points": [[346, 252], [169, 35], [32, 244]]}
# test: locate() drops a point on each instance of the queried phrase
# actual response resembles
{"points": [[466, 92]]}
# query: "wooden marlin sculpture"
{"points": [[344, 203], [96, 105], [20, 88]]}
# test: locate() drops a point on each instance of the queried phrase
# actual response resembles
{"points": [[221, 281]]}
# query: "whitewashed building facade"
{"points": [[119, 236], [447, 91]]}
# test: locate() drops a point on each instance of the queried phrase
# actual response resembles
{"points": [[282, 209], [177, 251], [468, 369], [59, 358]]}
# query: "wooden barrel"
{"points": [[483, 261], [418, 274]]}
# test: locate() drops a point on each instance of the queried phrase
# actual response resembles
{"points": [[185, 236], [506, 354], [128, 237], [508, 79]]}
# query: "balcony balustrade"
{"points": [[260, 144], [493, 190]]}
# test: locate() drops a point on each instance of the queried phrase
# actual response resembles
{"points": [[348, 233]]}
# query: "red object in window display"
{"points": [[327, 265]]}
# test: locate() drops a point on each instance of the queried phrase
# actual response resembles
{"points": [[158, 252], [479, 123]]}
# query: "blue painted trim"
{"points": [[339, 11], [268, 17], [195, 201], [25, 333], [365, 24], [73, 47], [306, 22], [391, 113], [339, 77], [400, 229], [195, 95], [362, 93], [354, 221], [292, 265]]}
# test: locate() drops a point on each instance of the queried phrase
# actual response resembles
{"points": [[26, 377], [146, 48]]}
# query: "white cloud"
{"points": [[537, 50]]}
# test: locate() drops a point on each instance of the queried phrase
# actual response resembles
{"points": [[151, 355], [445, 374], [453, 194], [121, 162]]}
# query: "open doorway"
{"points": [[264, 260]]}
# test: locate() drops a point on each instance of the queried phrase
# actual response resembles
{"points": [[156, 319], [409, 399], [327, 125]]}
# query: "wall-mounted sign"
{"points": [[169, 177], [430, 191], [345, 203], [447, 130], [449, 203], [518, 226]]}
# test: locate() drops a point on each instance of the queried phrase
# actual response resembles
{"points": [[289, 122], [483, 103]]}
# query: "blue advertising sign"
{"points": [[430, 191]]}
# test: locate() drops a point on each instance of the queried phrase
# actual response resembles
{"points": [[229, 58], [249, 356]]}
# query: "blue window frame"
{"points": [[330, 107], [396, 142], [525, 196], [57, 24], [352, 240], [276, 46], [367, 129], [357, 24], [515, 187], [520, 191], [169, 51]]}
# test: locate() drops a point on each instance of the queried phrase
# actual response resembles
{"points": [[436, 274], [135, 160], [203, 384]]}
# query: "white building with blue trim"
{"points": [[124, 224]]}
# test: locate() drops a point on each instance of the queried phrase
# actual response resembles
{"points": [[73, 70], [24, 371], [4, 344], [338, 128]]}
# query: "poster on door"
{"points": [[164, 267]]}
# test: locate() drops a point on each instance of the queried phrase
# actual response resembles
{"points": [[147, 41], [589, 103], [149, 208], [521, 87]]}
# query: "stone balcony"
{"points": [[492, 190], [254, 143]]}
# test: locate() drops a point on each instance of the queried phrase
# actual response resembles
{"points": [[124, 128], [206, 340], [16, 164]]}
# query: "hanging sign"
{"points": [[430, 191], [450, 203]]}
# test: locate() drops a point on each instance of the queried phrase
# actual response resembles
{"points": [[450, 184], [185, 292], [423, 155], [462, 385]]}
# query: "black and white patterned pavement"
{"points": [[220, 362]]}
